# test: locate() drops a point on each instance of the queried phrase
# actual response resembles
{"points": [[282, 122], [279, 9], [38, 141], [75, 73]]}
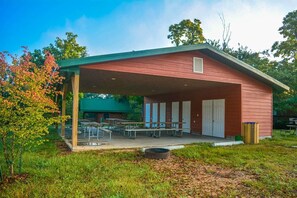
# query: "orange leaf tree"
{"points": [[27, 108]]}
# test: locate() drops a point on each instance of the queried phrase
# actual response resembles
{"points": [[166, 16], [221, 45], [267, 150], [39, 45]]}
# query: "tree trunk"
{"points": [[20, 165], [11, 170], [1, 175], [6, 152]]}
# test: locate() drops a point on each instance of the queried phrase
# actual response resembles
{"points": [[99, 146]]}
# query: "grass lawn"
{"points": [[268, 169]]}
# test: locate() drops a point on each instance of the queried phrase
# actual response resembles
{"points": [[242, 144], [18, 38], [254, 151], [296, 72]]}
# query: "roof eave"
{"points": [[242, 66]]}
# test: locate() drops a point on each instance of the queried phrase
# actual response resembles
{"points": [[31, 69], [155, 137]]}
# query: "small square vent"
{"points": [[197, 65]]}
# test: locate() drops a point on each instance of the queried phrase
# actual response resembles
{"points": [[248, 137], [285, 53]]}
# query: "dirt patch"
{"points": [[62, 146], [16, 178], [195, 179]]}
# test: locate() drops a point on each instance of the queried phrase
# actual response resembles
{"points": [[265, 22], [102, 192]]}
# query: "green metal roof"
{"points": [[127, 55], [70, 64], [108, 105]]}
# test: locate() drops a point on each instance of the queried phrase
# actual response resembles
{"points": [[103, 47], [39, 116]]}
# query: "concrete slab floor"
{"points": [[119, 141]]}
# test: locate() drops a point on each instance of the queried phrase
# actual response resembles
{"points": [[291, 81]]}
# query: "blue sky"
{"points": [[109, 26]]}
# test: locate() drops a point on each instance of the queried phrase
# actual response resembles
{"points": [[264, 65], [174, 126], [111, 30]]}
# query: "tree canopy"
{"points": [[135, 103], [61, 49], [286, 69], [186, 32], [288, 48]]}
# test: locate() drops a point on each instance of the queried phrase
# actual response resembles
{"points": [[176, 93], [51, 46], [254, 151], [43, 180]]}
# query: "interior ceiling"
{"points": [[108, 82]]}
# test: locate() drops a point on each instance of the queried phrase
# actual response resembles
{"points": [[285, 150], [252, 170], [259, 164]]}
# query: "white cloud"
{"points": [[143, 26], [254, 24]]}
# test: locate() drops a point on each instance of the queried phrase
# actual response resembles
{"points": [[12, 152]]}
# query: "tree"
{"points": [[186, 33], [259, 60], [26, 105], [285, 103], [136, 104], [61, 50], [226, 36], [286, 70], [287, 49]]}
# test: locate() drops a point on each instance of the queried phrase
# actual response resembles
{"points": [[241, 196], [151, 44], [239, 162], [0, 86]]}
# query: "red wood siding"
{"points": [[256, 103], [257, 106], [231, 94]]}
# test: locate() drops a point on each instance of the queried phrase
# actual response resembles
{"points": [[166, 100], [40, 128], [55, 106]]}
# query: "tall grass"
{"points": [[126, 174], [86, 174]]}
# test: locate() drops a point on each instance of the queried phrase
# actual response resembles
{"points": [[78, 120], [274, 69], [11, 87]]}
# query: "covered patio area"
{"points": [[113, 82], [207, 92]]}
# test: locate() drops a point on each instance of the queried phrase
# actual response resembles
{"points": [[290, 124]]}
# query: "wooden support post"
{"points": [[75, 88], [64, 108]]}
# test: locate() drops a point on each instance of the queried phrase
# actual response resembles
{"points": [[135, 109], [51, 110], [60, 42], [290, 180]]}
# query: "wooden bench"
{"points": [[138, 130], [176, 131], [291, 131]]}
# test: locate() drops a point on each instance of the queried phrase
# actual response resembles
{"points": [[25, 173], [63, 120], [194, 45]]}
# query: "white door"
{"points": [[155, 115], [162, 114], [207, 117], [147, 117], [213, 118], [219, 118], [186, 116], [175, 112]]}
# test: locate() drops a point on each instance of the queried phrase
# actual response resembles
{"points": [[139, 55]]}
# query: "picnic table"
{"points": [[132, 128], [95, 129], [114, 121], [292, 126]]}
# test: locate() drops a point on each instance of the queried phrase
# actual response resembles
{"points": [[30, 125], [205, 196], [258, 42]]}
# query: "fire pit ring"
{"points": [[157, 153]]}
